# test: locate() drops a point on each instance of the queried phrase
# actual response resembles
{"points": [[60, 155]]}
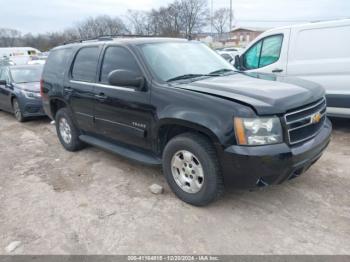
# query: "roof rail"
{"points": [[106, 38]]}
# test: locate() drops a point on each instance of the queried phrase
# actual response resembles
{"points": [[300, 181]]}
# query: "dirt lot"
{"points": [[93, 202]]}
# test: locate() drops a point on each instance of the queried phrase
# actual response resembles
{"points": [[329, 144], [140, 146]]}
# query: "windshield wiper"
{"points": [[189, 76], [221, 71], [186, 76]]}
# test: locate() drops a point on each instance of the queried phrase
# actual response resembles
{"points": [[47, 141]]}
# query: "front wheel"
{"points": [[17, 111], [192, 169]]}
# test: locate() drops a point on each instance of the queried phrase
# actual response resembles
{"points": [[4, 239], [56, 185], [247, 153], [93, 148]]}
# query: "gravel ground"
{"points": [[93, 202]]}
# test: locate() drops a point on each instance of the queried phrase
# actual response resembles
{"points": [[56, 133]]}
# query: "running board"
{"points": [[136, 155]]}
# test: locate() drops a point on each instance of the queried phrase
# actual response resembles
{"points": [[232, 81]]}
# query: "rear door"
{"points": [[121, 113], [79, 87], [268, 54], [54, 73]]}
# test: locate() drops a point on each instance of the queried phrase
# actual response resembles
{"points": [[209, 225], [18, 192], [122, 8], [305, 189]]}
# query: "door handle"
{"points": [[101, 97], [277, 70], [68, 89]]}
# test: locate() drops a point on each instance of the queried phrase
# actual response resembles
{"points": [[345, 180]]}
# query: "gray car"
{"points": [[20, 91]]}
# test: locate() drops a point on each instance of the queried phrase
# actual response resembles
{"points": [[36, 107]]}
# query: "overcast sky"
{"points": [[40, 16]]}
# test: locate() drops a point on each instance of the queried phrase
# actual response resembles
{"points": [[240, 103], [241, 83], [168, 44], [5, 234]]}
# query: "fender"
{"points": [[63, 101], [204, 112], [218, 129]]}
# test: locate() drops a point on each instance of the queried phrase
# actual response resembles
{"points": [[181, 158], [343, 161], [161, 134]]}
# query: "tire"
{"points": [[203, 187], [17, 111], [67, 132]]}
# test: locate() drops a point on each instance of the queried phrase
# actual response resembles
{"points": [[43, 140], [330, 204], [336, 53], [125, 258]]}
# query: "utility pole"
{"points": [[231, 14]]}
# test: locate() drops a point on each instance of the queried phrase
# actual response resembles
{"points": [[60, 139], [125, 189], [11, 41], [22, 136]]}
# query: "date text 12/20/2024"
{"points": [[173, 258]]}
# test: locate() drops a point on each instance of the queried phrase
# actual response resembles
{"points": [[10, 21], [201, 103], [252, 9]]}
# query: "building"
{"points": [[241, 36]]}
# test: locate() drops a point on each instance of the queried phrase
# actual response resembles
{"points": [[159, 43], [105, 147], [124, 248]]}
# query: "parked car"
{"points": [[5, 61], [177, 103], [20, 91], [229, 53], [37, 60], [19, 55], [232, 49], [315, 51], [227, 56]]}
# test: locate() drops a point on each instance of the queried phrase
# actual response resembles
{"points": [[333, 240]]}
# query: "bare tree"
{"points": [[194, 14], [179, 18], [139, 22], [9, 37], [99, 26], [221, 19]]}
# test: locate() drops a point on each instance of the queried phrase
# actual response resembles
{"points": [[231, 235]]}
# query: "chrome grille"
{"points": [[304, 123]]}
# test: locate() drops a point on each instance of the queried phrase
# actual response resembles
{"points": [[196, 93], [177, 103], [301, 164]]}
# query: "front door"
{"points": [[268, 55], [121, 113], [5, 91]]}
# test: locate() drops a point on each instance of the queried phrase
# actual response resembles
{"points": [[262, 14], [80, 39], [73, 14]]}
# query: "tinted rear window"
{"points": [[85, 64], [57, 61]]}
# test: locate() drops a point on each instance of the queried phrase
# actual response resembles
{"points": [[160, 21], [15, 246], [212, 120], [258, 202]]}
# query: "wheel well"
{"points": [[167, 132], [56, 105], [12, 98]]}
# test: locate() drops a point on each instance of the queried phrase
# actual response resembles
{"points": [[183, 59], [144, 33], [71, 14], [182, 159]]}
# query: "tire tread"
{"points": [[203, 142], [76, 144]]}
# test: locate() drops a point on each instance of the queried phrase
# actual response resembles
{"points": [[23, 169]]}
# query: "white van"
{"points": [[19, 55], [318, 51]]}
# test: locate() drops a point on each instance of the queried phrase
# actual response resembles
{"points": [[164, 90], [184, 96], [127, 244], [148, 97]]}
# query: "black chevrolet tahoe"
{"points": [[177, 103]]}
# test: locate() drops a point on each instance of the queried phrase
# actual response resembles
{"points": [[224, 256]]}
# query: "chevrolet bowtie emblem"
{"points": [[315, 118]]}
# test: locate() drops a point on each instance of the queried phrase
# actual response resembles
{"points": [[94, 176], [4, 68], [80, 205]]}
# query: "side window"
{"points": [[117, 58], [4, 75], [271, 50], [265, 52], [252, 56], [57, 61], [85, 64]]}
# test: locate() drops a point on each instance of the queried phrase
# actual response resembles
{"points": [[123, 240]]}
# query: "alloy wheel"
{"points": [[17, 110], [65, 130], [187, 171]]}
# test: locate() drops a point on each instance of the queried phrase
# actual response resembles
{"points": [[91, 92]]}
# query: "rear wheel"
{"points": [[67, 132], [17, 111], [192, 169]]}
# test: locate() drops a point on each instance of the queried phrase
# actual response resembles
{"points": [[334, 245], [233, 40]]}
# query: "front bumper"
{"points": [[32, 107], [248, 167]]}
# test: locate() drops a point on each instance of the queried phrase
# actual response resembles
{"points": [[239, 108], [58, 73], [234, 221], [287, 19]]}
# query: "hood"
{"points": [[266, 93], [32, 87]]}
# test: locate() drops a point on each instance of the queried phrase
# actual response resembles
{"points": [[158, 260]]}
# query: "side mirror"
{"points": [[238, 62], [125, 78], [3, 83]]}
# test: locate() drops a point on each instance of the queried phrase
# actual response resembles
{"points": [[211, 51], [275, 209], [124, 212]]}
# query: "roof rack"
{"points": [[106, 38]]}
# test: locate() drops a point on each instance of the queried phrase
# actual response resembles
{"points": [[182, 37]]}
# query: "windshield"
{"points": [[173, 59], [26, 74]]}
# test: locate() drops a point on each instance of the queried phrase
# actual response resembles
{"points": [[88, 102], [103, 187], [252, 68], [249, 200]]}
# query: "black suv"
{"points": [[176, 103]]}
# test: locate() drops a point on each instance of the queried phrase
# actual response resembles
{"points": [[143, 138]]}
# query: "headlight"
{"points": [[258, 131], [31, 95]]}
